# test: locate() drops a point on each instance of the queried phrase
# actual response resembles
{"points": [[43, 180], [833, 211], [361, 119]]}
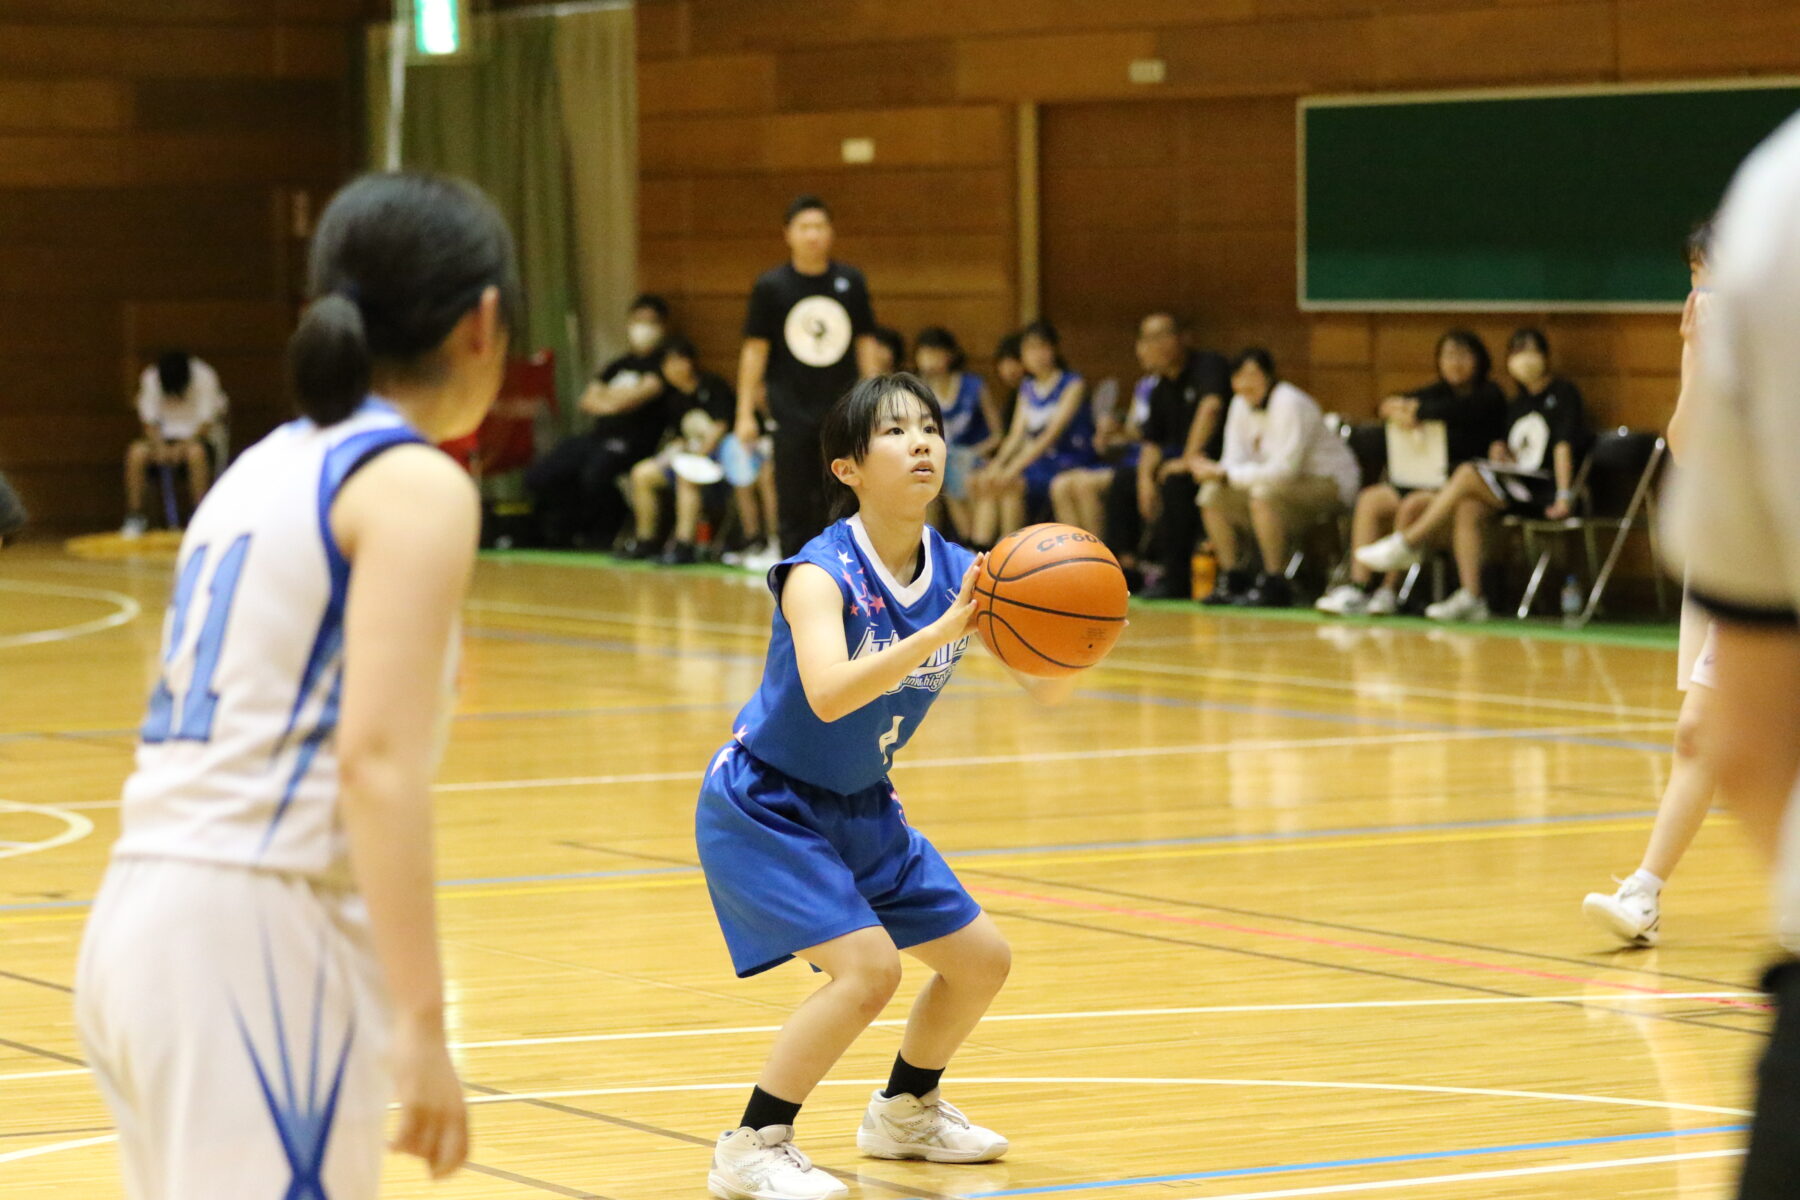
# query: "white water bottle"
{"points": [[1572, 602]]}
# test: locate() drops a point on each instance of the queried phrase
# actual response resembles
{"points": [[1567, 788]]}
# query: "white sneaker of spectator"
{"points": [[761, 559], [134, 527], [1344, 600], [1382, 603], [1462, 605], [1391, 553]]}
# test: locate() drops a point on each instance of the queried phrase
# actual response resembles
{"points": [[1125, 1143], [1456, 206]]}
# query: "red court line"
{"points": [[1336, 943]]}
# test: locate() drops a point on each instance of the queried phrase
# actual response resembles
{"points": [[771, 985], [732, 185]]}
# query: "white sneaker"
{"points": [[134, 527], [1391, 553], [927, 1127], [1382, 603], [1344, 600], [1633, 914], [1462, 605], [764, 1164], [762, 559]]}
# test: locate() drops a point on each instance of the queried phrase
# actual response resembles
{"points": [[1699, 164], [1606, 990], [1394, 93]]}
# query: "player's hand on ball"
{"points": [[958, 620], [434, 1121]]}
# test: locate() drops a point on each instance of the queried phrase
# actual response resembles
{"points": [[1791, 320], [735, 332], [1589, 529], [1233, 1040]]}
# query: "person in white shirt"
{"points": [[179, 400], [1735, 523], [1281, 473]]}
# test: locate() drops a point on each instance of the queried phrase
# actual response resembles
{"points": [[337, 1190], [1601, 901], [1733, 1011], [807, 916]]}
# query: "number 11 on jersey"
{"points": [[201, 701]]}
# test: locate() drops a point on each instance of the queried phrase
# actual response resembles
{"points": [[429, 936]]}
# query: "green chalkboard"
{"points": [[1565, 200]]}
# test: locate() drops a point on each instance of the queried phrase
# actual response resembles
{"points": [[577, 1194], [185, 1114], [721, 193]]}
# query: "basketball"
{"points": [[1050, 600]]}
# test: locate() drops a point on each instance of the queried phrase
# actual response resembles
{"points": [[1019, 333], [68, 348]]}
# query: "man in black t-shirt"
{"points": [[808, 337], [575, 484], [1187, 418]]}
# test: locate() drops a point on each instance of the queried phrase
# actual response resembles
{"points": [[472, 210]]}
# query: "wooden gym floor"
{"points": [[1295, 907]]}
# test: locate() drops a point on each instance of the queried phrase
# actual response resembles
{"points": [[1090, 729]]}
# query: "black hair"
{"points": [[1042, 328], [1008, 347], [850, 425], [1529, 335], [654, 303], [936, 337], [675, 344], [1261, 357], [1699, 243], [397, 260], [896, 345], [1470, 341], [173, 372], [806, 202]]}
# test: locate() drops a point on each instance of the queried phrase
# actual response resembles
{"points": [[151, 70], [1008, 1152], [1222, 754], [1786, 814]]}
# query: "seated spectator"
{"points": [[1473, 412], [1052, 432], [890, 350], [575, 485], [1078, 496], [700, 409], [971, 421], [1124, 533], [1009, 373], [1529, 474], [178, 402], [12, 512], [1283, 472], [1185, 424]]}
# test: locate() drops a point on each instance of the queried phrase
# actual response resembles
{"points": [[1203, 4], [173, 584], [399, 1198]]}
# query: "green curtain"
{"points": [[497, 120]]}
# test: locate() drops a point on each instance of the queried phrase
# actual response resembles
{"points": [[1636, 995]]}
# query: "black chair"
{"points": [[1615, 490]]}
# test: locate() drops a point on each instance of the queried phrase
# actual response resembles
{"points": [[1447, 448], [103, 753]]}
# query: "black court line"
{"points": [[1147, 897], [58, 1132], [901, 1189], [555, 1189], [52, 1055], [1331, 966], [33, 979], [661, 858]]}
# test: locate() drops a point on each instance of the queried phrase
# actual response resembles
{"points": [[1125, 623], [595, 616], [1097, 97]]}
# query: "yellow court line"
{"points": [[1080, 857]]}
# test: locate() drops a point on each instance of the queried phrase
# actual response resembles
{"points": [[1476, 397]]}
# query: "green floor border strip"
{"points": [[1633, 635]]}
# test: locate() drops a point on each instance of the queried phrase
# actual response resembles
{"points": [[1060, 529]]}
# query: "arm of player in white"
{"points": [[408, 522], [837, 685]]}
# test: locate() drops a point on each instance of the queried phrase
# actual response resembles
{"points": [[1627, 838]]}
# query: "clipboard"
{"points": [[1418, 457]]}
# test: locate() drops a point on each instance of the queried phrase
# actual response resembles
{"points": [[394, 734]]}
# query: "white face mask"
{"points": [[643, 335]]}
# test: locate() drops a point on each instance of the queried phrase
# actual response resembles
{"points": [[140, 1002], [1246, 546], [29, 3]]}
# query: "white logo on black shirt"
{"points": [[818, 331]]}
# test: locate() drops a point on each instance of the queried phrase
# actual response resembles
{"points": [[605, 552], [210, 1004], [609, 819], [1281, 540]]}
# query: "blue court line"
{"points": [[1223, 839], [1384, 1160]]}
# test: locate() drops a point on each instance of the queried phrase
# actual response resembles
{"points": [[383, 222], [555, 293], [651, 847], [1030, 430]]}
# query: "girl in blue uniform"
{"points": [[806, 851]]}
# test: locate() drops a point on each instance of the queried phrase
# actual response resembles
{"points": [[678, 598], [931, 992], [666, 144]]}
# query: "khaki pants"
{"points": [[1302, 502]]}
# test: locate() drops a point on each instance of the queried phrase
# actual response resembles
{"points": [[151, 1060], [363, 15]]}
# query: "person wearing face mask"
{"points": [[1528, 474], [575, 485], [1282, 472], [1472, 410]]}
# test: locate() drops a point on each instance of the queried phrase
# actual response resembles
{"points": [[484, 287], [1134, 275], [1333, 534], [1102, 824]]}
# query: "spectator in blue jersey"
{"points": [[1052, 432], [971, 418]]}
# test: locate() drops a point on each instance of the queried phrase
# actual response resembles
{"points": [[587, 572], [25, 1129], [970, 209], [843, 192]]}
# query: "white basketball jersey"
{"points": [[236, 760]]}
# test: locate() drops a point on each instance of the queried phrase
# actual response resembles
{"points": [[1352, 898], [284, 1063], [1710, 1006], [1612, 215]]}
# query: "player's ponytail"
{"points": [[398, 259], [328, 358]]}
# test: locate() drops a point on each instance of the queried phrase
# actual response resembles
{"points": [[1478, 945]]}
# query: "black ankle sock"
{"points": [[908, 1080], [765, 1110]]}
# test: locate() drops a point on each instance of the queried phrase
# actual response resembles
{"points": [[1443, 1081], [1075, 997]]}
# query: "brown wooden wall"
{"points": [[151, 153], [1180, 193]]}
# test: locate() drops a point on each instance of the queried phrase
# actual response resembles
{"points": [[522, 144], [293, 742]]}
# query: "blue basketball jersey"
{"points": [[1040, 406], [964, 422], [779, 727]]}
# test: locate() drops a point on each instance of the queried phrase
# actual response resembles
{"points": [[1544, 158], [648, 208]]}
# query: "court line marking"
{"points": [[599, 617], [57, 1147], [125, 611], [1345, 1163], [1339, 1189], [75, 828], [1078, 1015], [1153, 1081], [1334, 943]]}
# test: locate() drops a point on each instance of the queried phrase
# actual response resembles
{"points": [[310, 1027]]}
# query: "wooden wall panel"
{"points": [[149, 154], [1725, 37]]}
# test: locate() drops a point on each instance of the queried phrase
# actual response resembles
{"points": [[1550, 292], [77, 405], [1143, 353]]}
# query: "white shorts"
{"points": [[1694, 661], [236, 1026]]}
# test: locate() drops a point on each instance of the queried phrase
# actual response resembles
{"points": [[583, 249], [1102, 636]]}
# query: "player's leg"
{"points": [[1064, 507], [1011, 504], [689, 500], [137, 475], [648, 479], [199, 468], [1633, 913]]}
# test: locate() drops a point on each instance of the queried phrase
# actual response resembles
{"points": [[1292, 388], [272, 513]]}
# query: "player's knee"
{"points": [[1687, 734], [990, 964], [874, 980]]}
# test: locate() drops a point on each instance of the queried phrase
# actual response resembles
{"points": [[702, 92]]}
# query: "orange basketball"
{"points": [[1051, 600]]}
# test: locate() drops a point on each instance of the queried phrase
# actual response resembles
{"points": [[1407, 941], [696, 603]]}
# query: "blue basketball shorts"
{"points": [[790, 865]]}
